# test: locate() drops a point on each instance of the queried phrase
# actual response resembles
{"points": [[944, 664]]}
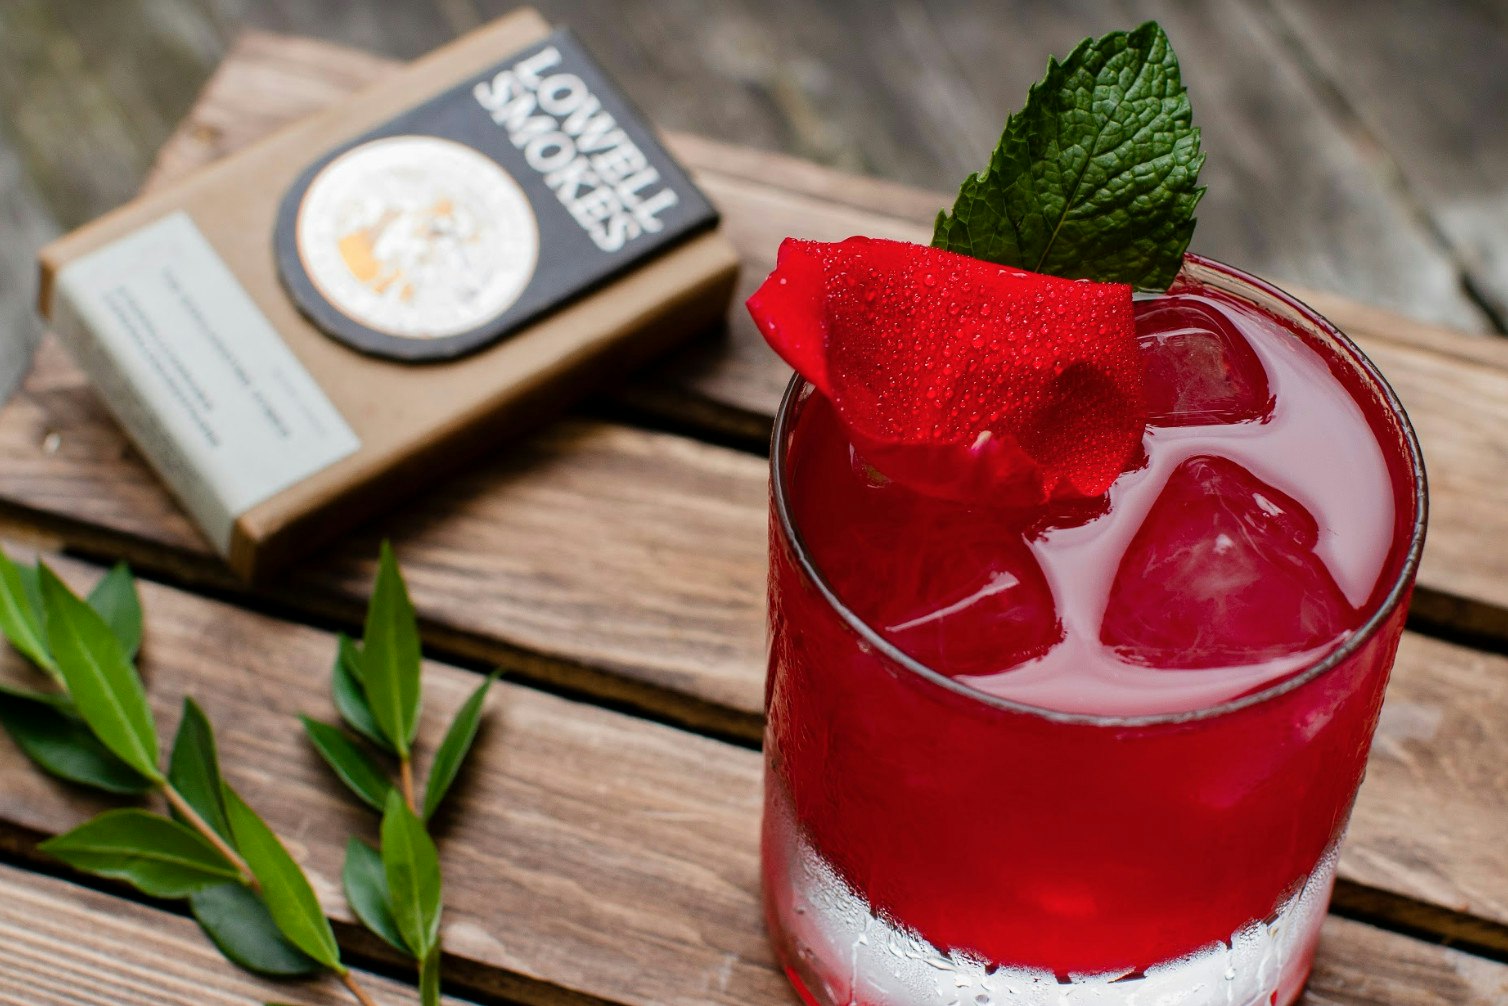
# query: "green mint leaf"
{"points": [[1097, 177], [194, 769], [349, 763], [48, 732], [365, 882], [156, 855], [452, 751], [116, 601], [390, 656], [242, 929], [104, 686], [351, 697], [285, 889], [429, 979], [21, 616], [413, 876]]}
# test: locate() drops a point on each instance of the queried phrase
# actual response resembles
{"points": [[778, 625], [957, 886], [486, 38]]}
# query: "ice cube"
{"points": [[1222, 573], [953, 585], [1200, 369], [968, 601]]}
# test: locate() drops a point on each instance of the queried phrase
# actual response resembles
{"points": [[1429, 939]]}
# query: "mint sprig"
{"points": [[1097, 177]]}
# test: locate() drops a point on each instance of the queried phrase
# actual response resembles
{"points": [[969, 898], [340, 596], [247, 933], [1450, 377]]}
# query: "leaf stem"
{"points": [[192, 818], [406, 781], [360, 993]]}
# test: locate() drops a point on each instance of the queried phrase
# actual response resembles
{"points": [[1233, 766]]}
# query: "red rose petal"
{"points": [[957, 376]]}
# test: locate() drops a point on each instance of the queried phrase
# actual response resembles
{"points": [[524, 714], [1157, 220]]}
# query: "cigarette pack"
{"points": [[300, 334]]}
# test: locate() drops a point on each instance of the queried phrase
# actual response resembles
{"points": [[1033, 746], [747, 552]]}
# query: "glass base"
{"points": [[837, 952]]}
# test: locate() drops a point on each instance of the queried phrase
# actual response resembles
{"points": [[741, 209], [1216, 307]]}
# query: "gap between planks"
{"points": [[62, 944]]}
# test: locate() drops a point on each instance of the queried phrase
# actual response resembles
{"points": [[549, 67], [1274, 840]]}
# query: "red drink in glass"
{"points": [[1105, 756]]}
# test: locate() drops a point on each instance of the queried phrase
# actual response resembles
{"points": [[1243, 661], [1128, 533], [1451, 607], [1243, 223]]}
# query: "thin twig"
{"points": [[356, 989], [191, 816], [406, 782]]}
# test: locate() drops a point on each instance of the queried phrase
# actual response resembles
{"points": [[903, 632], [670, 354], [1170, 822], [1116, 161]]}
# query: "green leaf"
{"points": [[429, 979], [348, 762], [351, 697], [390, 656], [115, 598], [239, 925], [104, 685], [413, 876], [21, 617], [31, 579], [194, 769], [348, 653], [365, 882], [155, 854], [452, 750], [1097, 176], [51, 735], [285, 889]]}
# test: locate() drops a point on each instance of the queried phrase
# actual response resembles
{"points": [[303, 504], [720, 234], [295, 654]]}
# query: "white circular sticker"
{"points": [[417, 237]]}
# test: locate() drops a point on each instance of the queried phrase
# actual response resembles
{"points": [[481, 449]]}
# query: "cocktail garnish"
{"points": [[962, 378], [958, 372]]}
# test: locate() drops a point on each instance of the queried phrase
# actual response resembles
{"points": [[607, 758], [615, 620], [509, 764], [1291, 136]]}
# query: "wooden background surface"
{"points": [[1354, 146], [605, 844]]}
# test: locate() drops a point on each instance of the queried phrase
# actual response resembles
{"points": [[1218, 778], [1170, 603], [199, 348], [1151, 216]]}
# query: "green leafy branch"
{"points": [[396, 890], [90, 725]]}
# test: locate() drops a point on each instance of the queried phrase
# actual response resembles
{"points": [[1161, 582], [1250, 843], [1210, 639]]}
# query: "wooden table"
{"points": [[604, 845]]}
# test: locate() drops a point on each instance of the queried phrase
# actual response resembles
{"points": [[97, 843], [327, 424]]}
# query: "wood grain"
{"points": [[66, 945], [591, 855], [1423, 128]]}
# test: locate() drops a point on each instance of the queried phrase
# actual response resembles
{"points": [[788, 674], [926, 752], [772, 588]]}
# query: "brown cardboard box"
{"points": [[412, 420]]}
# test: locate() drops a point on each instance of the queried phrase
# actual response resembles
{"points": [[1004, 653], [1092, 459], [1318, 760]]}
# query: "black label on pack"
{"points": [[464, 218]]}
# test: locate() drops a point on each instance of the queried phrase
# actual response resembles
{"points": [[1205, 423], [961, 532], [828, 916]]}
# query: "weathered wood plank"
{"points": [[63, 945], [593, 854], [1411, 833], [1429, 105]]}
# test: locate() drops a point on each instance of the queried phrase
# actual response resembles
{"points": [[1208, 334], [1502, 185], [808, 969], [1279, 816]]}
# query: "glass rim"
{"points": [[1262, 294]]}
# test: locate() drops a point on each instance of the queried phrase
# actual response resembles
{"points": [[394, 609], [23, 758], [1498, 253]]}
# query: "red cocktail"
{"points": [[1099, 752]]}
